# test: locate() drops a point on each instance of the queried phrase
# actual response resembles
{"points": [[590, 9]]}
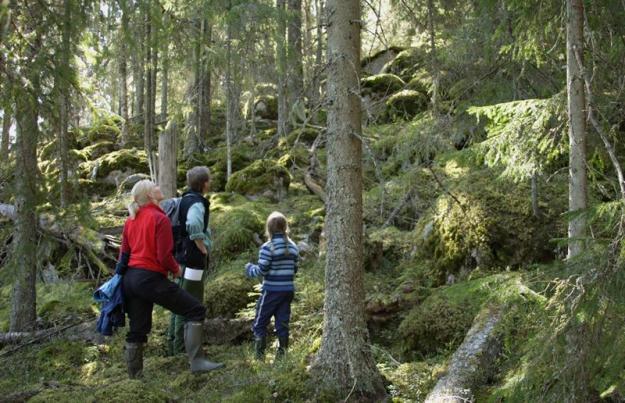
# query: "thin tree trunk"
{"points": [[6, 130], [577, 127], [123, 76], [281, 59], [230, 113], [167, 140], [295, 71], [316, 81], [205, 83], [344, 362], [307, 50], [433, 63], [23, 312], [165, 83], [64, 107]]}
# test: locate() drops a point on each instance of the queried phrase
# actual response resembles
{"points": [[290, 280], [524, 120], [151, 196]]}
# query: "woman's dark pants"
{"points": [[144, 288]]}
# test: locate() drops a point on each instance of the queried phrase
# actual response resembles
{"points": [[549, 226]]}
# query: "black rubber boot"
{"points": [[193, 334], [283, 345], [133, 352], [260, 344]]}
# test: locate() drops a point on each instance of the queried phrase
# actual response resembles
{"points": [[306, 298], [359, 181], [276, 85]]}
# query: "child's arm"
{"points": [[264, 263]]}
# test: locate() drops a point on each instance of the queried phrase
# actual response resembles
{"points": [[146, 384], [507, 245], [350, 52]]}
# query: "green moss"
{"points": [[228, 291], [488, 222], [296, 156], [266, 107], [216, 160], [405, 64], [435, 325], [306, 135], [421, 82], [265, 89], [106, 128], [97, 150], [384, 84], [234, 225], [124, 160], [260, 176], [406, 104]]}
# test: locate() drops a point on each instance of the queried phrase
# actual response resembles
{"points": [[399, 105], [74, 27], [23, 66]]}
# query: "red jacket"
{"points": [[149, 240]]}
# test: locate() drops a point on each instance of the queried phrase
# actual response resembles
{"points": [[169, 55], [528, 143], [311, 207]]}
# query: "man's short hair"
{"points": [[197, 177]]}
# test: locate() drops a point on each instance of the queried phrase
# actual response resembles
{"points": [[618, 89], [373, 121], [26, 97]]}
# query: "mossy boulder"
{"points": [[235, 223], [305, 135], [382, 84], [260, 177], [406, 104], [296, 156], [437, 324], [104, 129], [97, 150], [264, 89], [124, 160], [421, 82], [405, 64], [228, 291], [489, 222], [216, 160], [266, 107]]}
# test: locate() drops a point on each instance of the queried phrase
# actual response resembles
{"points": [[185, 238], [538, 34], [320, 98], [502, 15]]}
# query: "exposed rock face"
{"points": [[472, 363]]}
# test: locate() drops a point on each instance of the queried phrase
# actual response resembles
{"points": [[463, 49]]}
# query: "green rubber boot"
{"points": [[260, 343], [193, 344], [133, 353]]}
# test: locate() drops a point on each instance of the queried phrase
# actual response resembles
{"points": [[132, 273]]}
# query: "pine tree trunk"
{"points": [[230, 106], [23, 312], [281, 59], [64, 107], [344, 362], [6, 129], [205, 83], [577, 126], [316, 81], [167, 151], [295, 71], [165, 84], [308, 49], [433, 62], [123, 77]]}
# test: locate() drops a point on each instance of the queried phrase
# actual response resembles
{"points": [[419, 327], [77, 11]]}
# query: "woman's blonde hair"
{"points": [[140, 196]]}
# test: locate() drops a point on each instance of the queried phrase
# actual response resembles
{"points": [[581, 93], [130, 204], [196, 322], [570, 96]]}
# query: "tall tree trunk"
{"points": [[150, 89], [230, 106], [316, 80], [204, 87], [578, 199], [6, 129], [295, 71], [23, 312], [433, 62], [64, 106], [344, 361], [167, 151], [123, 76], [165, 83], [307, 50], [281, 59]]}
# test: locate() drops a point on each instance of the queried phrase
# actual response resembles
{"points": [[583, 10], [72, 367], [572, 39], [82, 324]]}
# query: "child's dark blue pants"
{"points": [[276, 304]]}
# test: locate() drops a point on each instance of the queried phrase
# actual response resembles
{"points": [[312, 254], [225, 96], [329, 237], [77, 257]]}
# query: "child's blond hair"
{"points": [[277, 223]]}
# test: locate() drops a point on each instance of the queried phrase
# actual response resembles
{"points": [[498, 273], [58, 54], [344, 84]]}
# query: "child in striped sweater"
{"points": [[277, 265]]}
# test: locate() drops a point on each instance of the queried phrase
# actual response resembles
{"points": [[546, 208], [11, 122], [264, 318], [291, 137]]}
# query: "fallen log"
{"points": [[90, 242], [472, 363]]}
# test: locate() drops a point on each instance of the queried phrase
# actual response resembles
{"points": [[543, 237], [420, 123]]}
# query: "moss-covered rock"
{"points": [[263, 89], [306, 135], [405, 64], [421, 82], [437, 324], [296, 156], [266, 107], [97, 150], [124, 160], [104, 129], [228, 291], [216, 160], [489, 221], [259, 177], [235, 222], [406, 104], [382, 84]]}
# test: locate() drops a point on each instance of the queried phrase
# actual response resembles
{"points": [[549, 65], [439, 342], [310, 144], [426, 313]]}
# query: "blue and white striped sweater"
{"points": [[276, 267]]}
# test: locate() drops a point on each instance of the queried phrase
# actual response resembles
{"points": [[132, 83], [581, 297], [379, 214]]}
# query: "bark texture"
{"points": [[167, 160], [23, 311], [344, 362], [281, 59], [578, 199], [296, 66], [6, 128]]}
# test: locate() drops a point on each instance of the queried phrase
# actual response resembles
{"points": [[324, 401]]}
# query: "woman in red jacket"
{"points": [[147, 250]]}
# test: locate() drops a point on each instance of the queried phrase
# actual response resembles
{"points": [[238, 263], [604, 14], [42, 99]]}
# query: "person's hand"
{"points": [[248, 266], [177, 274]]}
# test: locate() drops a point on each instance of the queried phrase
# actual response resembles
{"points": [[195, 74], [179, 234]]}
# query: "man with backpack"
{"points": [[189, 215]]}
